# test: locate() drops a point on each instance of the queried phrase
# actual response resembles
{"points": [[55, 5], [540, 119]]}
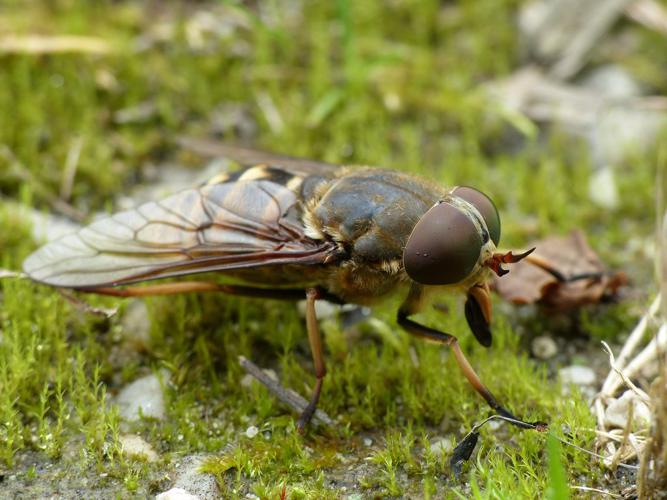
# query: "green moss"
{"points": [[392, 84]]}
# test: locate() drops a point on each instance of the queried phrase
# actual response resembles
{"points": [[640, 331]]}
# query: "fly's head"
{"points": [[454, 242]]}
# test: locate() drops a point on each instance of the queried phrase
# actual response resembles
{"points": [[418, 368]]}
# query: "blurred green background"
{"points": [[86, 120]]}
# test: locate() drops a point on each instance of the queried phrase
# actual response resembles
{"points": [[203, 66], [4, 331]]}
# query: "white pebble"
{"points": [[143, 396], [543, 347], [441, 446], [602, 188], [617, 412], [176, 494], [134, 446], [251, 431], [577, 375], [191, 479], [368, 441]]}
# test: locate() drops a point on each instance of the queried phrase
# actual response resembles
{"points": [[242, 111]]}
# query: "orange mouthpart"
{"points": [[497, 259]]}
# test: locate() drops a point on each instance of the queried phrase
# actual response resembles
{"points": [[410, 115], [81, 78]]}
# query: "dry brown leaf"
{"points": [[569, 256]]}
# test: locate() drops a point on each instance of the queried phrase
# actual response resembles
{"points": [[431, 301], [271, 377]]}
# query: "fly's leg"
{"points": [[433, 335], [315, 340], [198, 286], [312, 294], [545, 265]]}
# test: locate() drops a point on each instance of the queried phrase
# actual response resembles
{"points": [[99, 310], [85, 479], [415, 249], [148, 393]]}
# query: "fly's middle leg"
{"points": [[315, 340]]}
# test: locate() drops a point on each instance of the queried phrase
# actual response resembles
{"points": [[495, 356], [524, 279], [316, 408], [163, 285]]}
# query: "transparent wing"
{"points": [[248, 157], [216, 227]]}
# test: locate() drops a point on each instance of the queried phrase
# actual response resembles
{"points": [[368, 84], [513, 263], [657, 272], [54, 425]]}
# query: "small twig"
{"points": [[593, 454], [71, 164], [18, 170], [656, 346], [40, 44], [617, 435], [270, 112], [6, 273], [613, 381], [287, 396], [612, 362], [85, 306], [648, 13], [602, 16], [596, 490]]}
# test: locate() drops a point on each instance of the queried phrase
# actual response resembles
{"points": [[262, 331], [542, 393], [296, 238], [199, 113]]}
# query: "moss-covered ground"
{"points": [[395, 84]]}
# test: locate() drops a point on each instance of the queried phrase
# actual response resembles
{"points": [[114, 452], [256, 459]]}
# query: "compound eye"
{"points": [[484, 206], [443, 248]]}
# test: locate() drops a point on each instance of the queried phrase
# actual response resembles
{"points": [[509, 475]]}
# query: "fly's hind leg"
{"points": [[312, 294], [315, 340]]}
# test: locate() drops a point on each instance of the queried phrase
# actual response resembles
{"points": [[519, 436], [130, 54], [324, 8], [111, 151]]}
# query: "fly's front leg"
{"points": [[545, 265], [315, 340], [434, 335]]}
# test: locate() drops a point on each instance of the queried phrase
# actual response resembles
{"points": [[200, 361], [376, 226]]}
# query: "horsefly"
{"points": [[293, 229]]}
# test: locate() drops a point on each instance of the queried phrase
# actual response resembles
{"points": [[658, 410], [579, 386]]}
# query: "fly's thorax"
{"points": [[370, 213]]}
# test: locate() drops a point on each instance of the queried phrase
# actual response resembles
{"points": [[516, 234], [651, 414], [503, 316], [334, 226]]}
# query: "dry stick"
{"points": [[6, 273], [614, 366], [583, 40], [657, 345], [287, 396], [613, 380], [596, 490], [71, 164], [648, 13], [18, 170], [85, 306]]}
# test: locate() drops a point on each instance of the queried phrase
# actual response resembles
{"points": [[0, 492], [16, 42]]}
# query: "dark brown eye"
{"points": [[485, 207], [443, 248]]}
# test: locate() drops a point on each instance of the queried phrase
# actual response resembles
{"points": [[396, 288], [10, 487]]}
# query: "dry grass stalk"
{"points": [[624, 445], [652, 481], [38, 44]]}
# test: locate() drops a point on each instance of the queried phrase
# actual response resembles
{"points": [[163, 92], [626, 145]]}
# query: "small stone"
{"points": [[616, 415], [251, 431], [137, 325], [143, 397], [368, 442], [612, 80], [543, 347], [134, 446], [602, 189], [441, 446], [577, 375], [200, 485], [176, 494]]}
